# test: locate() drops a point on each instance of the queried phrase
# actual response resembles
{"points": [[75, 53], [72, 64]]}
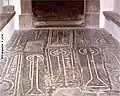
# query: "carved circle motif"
{"points": [[15, 49], [56, 52], [6, 85], [31, 57], [85, 51]]}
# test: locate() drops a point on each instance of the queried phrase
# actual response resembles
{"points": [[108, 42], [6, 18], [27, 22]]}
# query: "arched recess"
{"points": [[91, 11]]}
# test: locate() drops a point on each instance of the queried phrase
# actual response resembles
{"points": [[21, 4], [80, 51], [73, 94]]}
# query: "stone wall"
{"points": [[117, 6], [1, 6], [91, 10], [26, 14]]}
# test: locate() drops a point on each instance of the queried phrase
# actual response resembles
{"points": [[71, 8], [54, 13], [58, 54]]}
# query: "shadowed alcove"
{"points": [[37, 13]]}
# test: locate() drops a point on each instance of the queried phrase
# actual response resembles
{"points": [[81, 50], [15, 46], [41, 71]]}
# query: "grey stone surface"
{"points": [[113, 16], [58, 10], [1, 6], [5, 18], [45, 18], [38, 24], [7, 14], [26, 21], [8, 9], [61, 62]]}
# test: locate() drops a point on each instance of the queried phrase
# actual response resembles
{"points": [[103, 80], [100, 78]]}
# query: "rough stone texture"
{"points": [[1, 6], [58, 13], [91, 7], [61, 62], [113, 16], [110, 94], [26, 17], [26, 6], [8, 9], [5, 18], [58, 10], [25, 21], [38, 24]]}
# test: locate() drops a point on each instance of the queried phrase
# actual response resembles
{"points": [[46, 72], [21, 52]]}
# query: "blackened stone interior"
{"points": [[58, 10]]}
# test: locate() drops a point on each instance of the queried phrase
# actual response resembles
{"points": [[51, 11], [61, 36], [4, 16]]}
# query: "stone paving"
{"points": [[61, 62]]}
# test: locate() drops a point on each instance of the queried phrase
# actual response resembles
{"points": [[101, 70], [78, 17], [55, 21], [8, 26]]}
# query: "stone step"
{"points": [[112, 23], [58, 24]]}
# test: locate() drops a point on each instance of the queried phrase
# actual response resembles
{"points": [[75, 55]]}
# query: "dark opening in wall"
{"points": [[81, 13], [58, 10]]}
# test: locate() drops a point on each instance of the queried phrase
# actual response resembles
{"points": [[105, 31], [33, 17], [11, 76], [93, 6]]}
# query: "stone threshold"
{"points": [[6, 16], [58, 24], [113, 16]]}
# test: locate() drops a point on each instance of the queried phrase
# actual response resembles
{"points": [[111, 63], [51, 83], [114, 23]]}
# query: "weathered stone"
{"points": [[8, 9], [110, 94], [1, 6], [61, 62], [91, 7], [87, 19], [94, 20], [5, 18], [26, 21], [113, 16], [26, 7]]}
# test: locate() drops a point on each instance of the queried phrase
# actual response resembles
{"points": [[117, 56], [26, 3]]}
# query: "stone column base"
{"points": [[26, 21], [1, 6]]}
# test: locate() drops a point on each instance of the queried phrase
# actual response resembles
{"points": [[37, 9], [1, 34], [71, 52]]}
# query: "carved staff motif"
{"points": [[60, 38], [34, 61], [61, 54], [95, 80]]}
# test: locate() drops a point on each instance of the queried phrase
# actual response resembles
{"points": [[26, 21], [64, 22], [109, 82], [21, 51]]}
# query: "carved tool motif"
{"points": [[95, 80], [33, 76]]}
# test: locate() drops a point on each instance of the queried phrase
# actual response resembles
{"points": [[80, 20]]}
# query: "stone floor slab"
{"points": [[61, 62]]}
